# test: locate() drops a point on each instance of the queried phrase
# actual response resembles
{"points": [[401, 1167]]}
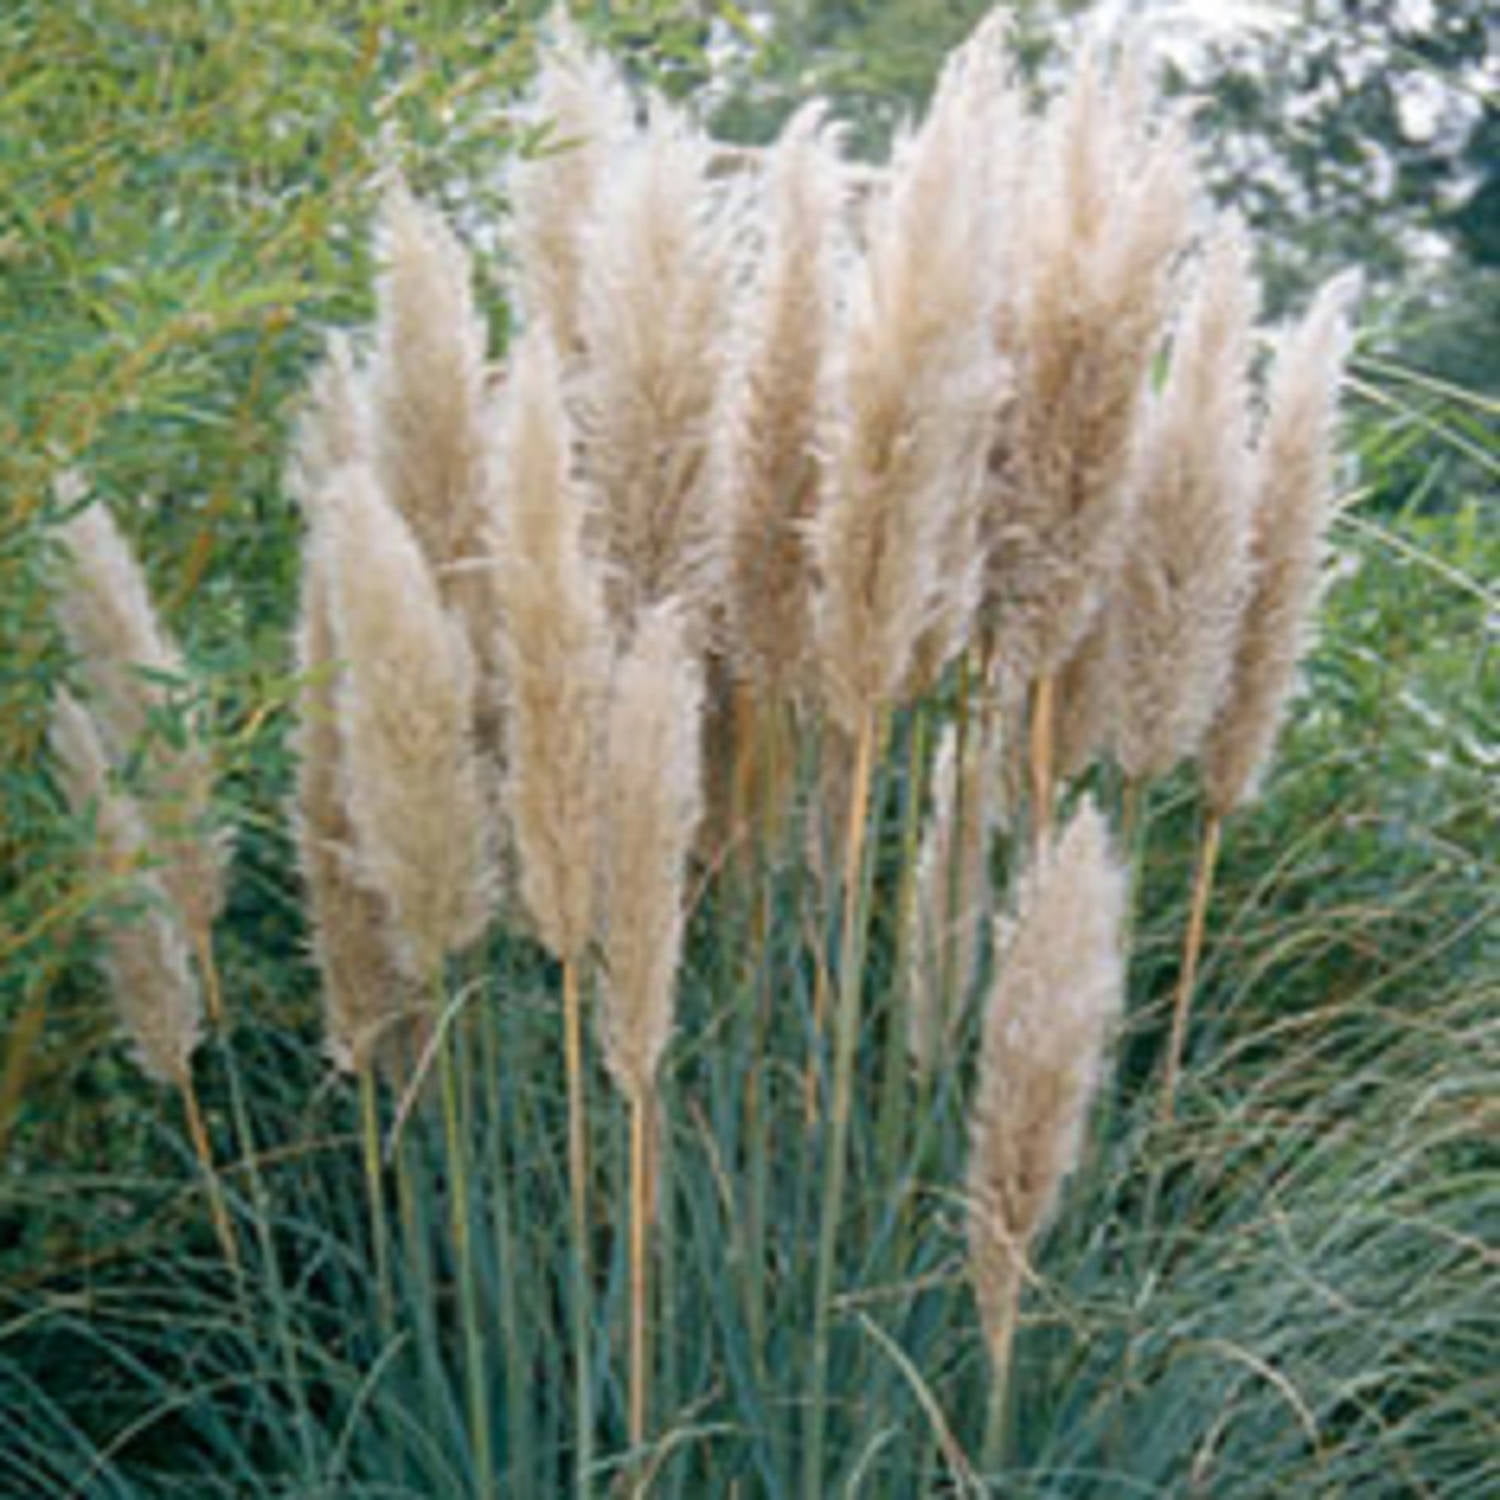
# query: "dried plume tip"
{"points": [[556, 649], [1292, 510], [1056, 998], [662, 255], [582, 102], [653, 806], [1101, 215], [127, 663], [405, 707], [906, 412], [146, 958], [1175, 614], [765, 466]]}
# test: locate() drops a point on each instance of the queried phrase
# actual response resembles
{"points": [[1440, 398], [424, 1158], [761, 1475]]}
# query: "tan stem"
{"points": [[203, 945], [578, 1189], [640, 1219], [1001, 1338], [1043, 718], [198, 1134], [1208, 857]]}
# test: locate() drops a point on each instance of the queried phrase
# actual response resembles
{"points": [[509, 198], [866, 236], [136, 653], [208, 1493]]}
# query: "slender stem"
{"points": [[1002, 1338], [198, 1134], [1208, 858], [463, 1252], [369, 1117], [1043, 717], [513, 1272], [640, 1220], [846, 1038], [578, 1188], [203, 947]]}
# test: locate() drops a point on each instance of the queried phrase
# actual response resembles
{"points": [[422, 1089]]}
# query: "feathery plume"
{"points": [[556, 651], [1057, 994], [430, 415], [1102, 212], [405, 701], [127, 662], [653, 805], [1292, 510], [146, 958], [582, 100], [364, 993], [661, 261], [765, 462], [951, 897], [907, 408], [1173, 623]]}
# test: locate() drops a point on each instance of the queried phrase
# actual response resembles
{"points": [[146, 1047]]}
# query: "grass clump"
{"points": [[703, 669]]}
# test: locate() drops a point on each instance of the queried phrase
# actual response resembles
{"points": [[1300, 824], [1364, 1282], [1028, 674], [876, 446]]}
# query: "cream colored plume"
{"points": [[582, 102], [652, 806], [128, 663], [556, 650], [1056, 998], [907, 408], [1175, 615], [405, 706], [952, 895], [364, 993], [430, 411], [1292, 510], [765, 468], [661, 262], [146, 957], [1101, 215]]}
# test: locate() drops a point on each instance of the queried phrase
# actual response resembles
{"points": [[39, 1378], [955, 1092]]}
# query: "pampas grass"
{"points": [[748, 461], [582, 103], [146, 959], [556, 652], [1057, 995], [661, 273], [652, 807], [766, 469], [1176, 610], [1293, 506], [128, 664], [405, 702]]}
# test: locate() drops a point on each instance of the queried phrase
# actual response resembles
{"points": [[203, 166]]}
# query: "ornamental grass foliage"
{"points": [[728, 723]]}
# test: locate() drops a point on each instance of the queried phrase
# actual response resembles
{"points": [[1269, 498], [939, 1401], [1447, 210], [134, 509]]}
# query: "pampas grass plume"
{"points": [[1056, 997], [907, 408], [765, 460], [1292, 511], [1102, 212], [662, 256], [556, 649], [405, 702], [582, 100], [146, 958], [124, 653], [1175, 615], [653, 802]]}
